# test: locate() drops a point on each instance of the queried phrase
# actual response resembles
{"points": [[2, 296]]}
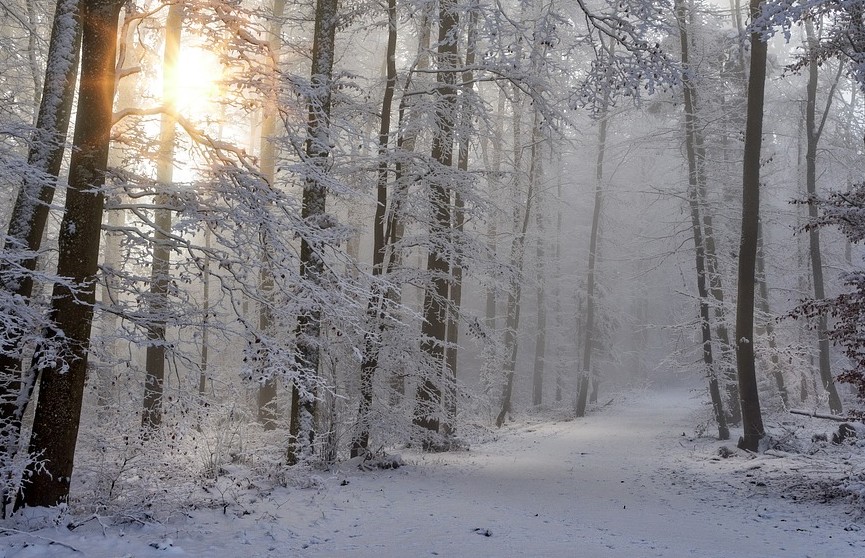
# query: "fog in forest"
{"points": [[498, 254]]}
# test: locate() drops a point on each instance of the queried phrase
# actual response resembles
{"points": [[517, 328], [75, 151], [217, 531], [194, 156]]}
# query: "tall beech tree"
{"points": [[594, 236], [752, 417], [375, 310], [317, 152], [160, 277], [62, 356], [692, 146], [28, 219], [813, 132], [266, 396], [436, 296], [512, 318]]}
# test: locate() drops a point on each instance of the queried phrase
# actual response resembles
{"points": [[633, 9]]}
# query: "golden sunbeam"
{"points": [[195, 84]]}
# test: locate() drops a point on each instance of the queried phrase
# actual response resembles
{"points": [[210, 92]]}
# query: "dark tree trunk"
{"points": [[160, 274], [752, 418], [405, 144], [372, 339], [589, 333], [512, 321], [813, 133], [29, 215], [61, 389], [768, 326], [266, 398], [540, 254], [303, 395], [691, 147], [434, 329], [456, 287]]}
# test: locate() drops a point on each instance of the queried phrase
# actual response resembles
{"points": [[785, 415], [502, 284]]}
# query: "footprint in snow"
{"points": [[163, 545]]}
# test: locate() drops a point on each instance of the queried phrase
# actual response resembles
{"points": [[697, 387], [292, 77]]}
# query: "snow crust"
{"points": [[629, 480]]}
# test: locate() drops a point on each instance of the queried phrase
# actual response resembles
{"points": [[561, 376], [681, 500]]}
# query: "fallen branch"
{"points": [[836, 418]]}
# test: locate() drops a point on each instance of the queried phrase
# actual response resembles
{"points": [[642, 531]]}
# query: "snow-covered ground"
{"points": [[630, 480]]}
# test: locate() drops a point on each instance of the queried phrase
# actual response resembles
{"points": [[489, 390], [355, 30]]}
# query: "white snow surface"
{"points": [[629, 480]]}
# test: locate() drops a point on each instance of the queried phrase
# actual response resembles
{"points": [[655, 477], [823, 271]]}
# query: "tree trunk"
{"points": [[30, 212], [205, 320], [813, 133], [456, 287], [433, 331], [691, 146], [588, 341], [512, 321], [557, 298], [493, 169], [405, 144], [768, 326], [160, 274], [752, 418], [303, 395], [714, 274], [29, 215], [266, 397], [372, 339], [61, 389], [541, 333]]}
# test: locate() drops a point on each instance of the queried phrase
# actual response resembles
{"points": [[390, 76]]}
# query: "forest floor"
{"points": [[631, 480]]}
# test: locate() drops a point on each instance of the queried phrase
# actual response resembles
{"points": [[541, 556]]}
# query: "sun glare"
{"points": [[196, 82]]}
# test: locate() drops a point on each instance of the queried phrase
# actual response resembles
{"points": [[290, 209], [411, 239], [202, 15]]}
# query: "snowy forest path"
{"points": [[629, 480], [618, 483]]}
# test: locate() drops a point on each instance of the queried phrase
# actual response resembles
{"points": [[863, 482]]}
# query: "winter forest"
{"points": [[331, 268]]}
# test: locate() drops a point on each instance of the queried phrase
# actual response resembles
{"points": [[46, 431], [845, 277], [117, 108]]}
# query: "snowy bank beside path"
{"points": [[622, 482]]}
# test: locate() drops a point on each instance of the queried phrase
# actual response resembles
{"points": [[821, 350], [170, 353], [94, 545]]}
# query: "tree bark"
{"points": [[160, 274], [266, 397], [752, 419], [405, 144], [813, 133], [433, 331], [29, 215], [458, 227], [541, 333], [768, 326], [512, 320], [61, 389], [588, 341], [303, 395], [372, 339], [691, 146]]}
